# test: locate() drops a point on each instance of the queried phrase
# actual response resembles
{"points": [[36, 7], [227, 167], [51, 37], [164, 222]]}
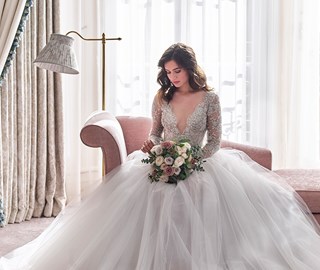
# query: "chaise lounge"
{"points": [[119, 136]]}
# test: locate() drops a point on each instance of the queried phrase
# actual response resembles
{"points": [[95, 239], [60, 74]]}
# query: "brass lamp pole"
{"points": [[103, 40]]}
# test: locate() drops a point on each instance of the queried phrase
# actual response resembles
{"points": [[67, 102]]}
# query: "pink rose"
{"points": [[169, 171], [167, 144]]}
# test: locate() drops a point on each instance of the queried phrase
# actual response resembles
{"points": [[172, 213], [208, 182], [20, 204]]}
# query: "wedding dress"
{"points": [[235, 215]]}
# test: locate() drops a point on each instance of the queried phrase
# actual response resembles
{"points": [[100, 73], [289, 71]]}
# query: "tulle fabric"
{"points": [[235, 215]]}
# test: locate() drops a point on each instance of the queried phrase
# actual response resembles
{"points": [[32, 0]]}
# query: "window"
{"points": [[216, 30]]}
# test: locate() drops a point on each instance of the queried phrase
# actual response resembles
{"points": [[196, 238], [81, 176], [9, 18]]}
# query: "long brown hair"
{"points": [[185, 57]]}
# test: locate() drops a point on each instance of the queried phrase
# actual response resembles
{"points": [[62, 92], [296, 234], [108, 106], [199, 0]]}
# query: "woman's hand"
{"points": [[147, 146]]}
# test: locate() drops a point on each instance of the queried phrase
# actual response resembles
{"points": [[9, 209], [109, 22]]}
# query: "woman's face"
{"points": [[177, 75]]}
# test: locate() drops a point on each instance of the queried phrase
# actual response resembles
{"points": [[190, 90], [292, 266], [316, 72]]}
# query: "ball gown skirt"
{"points": [[235, 215]]}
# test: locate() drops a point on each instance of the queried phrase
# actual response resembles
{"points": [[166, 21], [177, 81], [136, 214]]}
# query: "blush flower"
{"points": [[173, 161], [177, 171], [168, 160], [163, 166]]}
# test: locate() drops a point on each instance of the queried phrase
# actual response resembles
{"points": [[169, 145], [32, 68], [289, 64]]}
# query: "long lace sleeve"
{"points": [[157, 127], [213, 127]]}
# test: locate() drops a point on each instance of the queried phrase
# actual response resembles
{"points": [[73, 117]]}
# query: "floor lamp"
{"points": [[59, 56]]}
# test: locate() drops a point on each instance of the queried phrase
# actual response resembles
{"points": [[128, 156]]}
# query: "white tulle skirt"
{"points": [[235, 215]]}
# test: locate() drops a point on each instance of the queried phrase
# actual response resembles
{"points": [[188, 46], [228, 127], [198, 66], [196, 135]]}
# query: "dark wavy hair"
{"points": [[185, 57]]}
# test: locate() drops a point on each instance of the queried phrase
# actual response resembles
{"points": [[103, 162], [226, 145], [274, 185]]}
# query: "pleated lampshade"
{"points": [[58, 55]]}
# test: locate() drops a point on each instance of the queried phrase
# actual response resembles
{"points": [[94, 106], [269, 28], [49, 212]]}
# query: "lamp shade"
{"points": [[58, 55]]}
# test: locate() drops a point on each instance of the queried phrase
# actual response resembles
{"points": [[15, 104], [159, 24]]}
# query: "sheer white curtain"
{"points": [[295, 118], [262, 57], [283, 80], [82, 95]]}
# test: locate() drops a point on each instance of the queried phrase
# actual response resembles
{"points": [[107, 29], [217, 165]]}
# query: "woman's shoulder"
{"points": [[211, 96]]}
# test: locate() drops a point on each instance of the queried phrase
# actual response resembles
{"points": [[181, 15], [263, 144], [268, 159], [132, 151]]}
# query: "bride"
{"points": [[233, 214]]}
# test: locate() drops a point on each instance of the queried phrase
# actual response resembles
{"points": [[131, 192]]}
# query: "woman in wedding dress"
{"points": [[232, 215]]}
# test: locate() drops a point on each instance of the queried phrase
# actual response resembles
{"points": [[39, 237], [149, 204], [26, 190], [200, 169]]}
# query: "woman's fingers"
{"points": [[147, 146]]}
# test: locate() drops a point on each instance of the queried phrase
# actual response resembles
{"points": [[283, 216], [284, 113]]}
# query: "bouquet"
{"points": [[173, 161]]}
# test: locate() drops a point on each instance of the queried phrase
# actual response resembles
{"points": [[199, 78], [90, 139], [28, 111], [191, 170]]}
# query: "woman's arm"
{"points": [[213, 127], [157, 128]]}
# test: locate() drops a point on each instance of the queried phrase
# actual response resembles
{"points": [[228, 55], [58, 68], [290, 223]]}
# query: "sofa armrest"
{"points": [[103, 130], [260, 155]]}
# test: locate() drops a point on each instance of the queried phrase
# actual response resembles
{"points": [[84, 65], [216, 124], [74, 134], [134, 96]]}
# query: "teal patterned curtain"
{"points": [[4, 72], [16, 41]]}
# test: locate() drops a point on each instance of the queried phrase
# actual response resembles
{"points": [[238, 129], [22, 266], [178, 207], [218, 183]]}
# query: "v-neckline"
{"points": [[189, 116]]}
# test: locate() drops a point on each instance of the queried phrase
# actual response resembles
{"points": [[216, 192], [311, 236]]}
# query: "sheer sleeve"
{"points": [[213, 127], [157, 127]]}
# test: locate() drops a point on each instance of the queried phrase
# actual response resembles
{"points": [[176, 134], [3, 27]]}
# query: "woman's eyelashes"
{"points": [[175, 71]]}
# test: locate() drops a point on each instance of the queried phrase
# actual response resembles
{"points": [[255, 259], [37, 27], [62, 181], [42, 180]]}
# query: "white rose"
{"points": [[164, 178], [184, 149], [178, 161], [184, 155], [187, 145], [157, 149], [159, 160], [179, 150]]}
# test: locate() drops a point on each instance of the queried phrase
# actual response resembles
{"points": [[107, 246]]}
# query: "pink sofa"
{"points": [[119, 136]]}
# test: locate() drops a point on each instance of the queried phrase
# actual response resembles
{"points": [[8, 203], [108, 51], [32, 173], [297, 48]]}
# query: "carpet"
{"points": [[15, 235]]}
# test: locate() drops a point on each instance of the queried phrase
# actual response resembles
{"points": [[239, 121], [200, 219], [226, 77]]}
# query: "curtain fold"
{"points": [[295, 114], [13, 16], [32, 153], [82, 95]]}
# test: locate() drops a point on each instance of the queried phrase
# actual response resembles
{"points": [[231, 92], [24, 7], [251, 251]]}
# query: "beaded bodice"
{"points": [[204, 120]]}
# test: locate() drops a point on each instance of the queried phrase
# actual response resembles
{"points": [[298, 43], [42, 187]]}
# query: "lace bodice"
{"points": [[204, 120]]}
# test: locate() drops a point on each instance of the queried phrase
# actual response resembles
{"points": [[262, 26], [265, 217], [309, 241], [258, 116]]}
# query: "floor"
{"points": [[15, 235]]}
